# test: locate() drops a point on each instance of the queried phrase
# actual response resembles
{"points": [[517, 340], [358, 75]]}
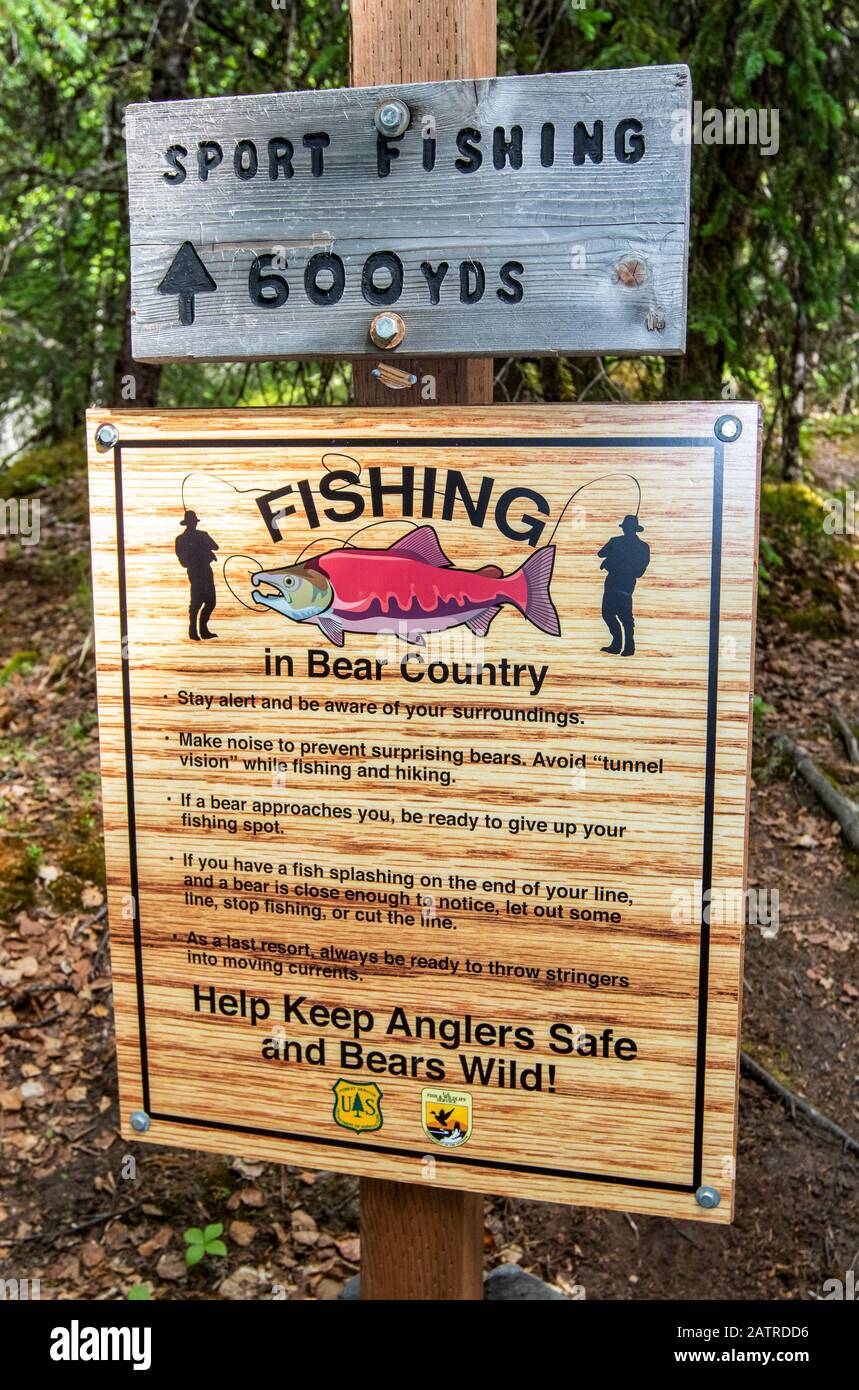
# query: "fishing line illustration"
{"points": [[411, 587]]}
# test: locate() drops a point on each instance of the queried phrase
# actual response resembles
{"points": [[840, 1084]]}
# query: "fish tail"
{"points": [[538, 606]]}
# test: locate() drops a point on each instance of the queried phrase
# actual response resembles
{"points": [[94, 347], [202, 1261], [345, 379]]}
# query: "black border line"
{"points": [[442, 442]]}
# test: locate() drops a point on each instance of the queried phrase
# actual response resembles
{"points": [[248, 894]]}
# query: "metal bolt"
{"points": [[655, 321], [140, 1121], [708, 1197], [631, 272], [728, 428], [387, 330], [106, 436], [392, 117]]}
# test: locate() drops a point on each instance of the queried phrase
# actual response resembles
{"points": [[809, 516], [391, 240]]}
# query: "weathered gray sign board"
{"points": [[534, 215]]}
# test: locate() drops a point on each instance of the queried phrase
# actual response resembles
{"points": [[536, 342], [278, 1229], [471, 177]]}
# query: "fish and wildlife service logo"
{"points": [[446, 1116], [357, 1105]]}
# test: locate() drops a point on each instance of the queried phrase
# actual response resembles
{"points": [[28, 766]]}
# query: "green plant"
{"points": [[139, 1293], [20, 662], [205, 1242], [760, 708]]}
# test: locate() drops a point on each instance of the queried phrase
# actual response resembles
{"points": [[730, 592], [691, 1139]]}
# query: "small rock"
{"points": [[242, 1232], [247, 1167], [328, 1288], [304, 1228], [244, 1283], [171, 1266]]}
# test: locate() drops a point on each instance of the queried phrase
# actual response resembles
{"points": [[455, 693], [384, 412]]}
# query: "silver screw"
{"points": [[140, 1121], [708, 1197], [392, 117], [106, 436]]}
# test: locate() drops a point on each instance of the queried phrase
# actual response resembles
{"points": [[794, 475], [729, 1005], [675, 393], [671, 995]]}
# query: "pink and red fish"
{"points": [[409, 589]]}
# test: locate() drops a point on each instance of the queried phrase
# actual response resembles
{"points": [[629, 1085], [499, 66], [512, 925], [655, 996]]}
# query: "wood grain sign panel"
{"points": [[544, 214], [424, 745]]}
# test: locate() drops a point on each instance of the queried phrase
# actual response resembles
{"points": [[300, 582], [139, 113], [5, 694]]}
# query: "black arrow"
{"points": [[186, 277]]}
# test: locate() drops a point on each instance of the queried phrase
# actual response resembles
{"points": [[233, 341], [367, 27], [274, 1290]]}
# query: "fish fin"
{"points": [[539, 608], [479, 624], [332, 629], [491, 571], [422, 544]]}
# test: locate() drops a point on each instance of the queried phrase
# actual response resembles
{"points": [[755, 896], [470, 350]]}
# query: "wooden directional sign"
{"points": [[424, 745], [529, 215]]}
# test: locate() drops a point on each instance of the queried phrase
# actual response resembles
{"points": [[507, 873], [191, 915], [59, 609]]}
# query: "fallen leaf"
{"points": [[157, 1242], [91, 1254]]}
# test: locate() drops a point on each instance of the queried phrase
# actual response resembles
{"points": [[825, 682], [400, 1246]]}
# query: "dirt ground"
{"points": [[75, 1217]]}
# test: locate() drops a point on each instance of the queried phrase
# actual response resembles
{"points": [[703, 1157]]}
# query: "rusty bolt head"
{"points": [[387, 330], [632, 272]]}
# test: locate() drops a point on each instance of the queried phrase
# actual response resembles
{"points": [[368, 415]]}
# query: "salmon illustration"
{"points": [[409, 589]]}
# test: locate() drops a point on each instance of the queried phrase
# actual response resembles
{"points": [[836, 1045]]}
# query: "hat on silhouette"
{"points": [[190, 518], [630, 523]]}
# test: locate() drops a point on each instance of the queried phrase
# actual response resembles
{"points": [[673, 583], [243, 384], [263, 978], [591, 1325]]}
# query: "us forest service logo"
{"points": [[446, 1116], [357, 1106]]}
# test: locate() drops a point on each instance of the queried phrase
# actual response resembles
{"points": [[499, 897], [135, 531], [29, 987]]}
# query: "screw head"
{"points": [[728, 428], [708, 1197], [392, 117], [106, 436], [387, 330], [655, 321], [140, 1121]]}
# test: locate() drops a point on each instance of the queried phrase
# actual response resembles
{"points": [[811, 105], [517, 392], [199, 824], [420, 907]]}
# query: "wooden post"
{"points": [[419, 1241], [424, 41]]}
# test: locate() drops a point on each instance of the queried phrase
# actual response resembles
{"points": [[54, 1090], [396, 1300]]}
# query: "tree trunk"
{"points": [[795, 410], [173, 44]]}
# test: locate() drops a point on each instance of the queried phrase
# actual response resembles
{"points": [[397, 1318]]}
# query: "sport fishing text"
{"points": [[418, 492], [412, 667]]}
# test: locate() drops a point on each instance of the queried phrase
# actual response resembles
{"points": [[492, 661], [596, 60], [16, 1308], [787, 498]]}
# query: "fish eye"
{"points": [[289, 581]]}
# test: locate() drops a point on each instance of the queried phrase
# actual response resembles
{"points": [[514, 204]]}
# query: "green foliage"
{"points": [[801, 561], [760, 709], [42, 467], [774, 264], [204, 1242], [19, 662], [139, 1293], [774, 260]]}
